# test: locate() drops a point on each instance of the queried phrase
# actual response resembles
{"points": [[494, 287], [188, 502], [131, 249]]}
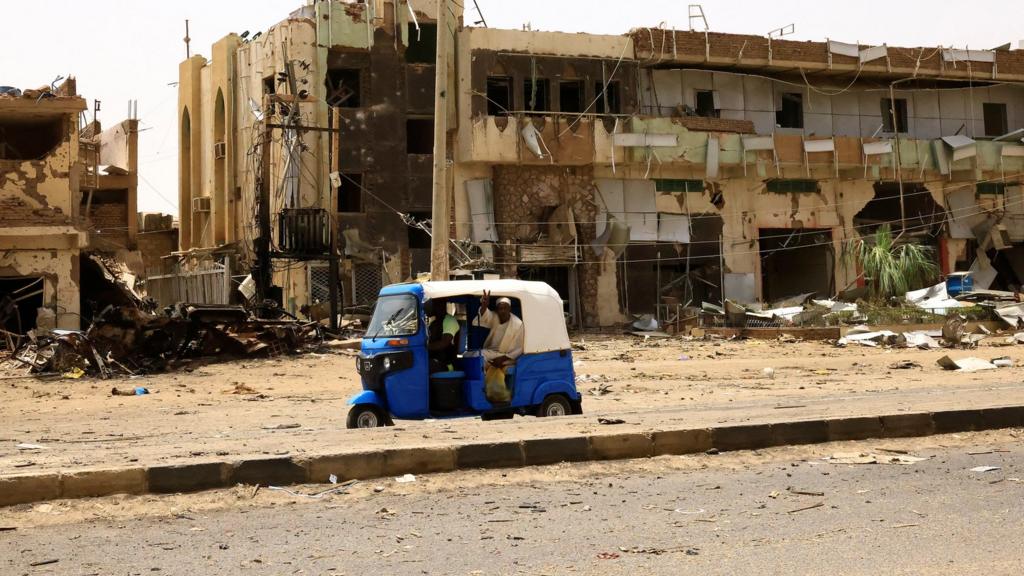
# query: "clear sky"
{"points": [[130, 49]]}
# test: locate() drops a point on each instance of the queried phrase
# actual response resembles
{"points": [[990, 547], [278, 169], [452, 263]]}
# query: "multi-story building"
{"points": [[624, 170], [67, 193]]}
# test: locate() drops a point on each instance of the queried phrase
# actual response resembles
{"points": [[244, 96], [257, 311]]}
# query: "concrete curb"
{"points": [[191, 477]]}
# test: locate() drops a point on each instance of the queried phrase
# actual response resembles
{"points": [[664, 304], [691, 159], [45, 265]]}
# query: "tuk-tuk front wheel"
{"points": [[555, 405], [366, 416]]}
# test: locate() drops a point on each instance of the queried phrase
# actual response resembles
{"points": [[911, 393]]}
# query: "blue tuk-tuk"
{"points": [[394, 365]]}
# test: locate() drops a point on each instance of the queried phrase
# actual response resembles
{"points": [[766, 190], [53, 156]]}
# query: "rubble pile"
{"points": [[128, 340]]}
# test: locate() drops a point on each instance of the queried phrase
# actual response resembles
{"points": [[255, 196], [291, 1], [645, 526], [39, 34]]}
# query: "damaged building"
{"points": [[632, 172], [68, 221]]}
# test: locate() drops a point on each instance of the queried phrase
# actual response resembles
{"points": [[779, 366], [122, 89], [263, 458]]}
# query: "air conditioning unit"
{"points": [[220, 150], [201, 204]]}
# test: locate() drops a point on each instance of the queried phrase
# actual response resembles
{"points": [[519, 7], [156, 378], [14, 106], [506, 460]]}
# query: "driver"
{"points": [[504, 343], [442, 334]]}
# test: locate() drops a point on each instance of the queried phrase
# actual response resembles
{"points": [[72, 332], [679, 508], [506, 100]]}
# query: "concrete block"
{"points": [[621, 446], [794, 433], [858, 428], [1008, 417], [493, 455], [90, 483], [24, 489], [681, 441], [956, 421], [542, 451], [351, 466], [418, 460], [187, 477], [905, 425], [269, 471], [747, 437]]}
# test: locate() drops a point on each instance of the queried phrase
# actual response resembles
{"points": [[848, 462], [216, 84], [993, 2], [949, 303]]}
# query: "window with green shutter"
{"points": [[678, 185], [991, 188], [785, 186]]}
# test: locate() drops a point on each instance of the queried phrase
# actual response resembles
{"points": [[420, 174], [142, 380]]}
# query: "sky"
{"points": [[121, 50]]}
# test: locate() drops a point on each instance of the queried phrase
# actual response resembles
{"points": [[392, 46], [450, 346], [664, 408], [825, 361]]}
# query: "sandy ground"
{"points": [[298, 404]]}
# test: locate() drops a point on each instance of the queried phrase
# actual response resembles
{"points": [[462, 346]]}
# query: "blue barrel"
{"points": [[959, 283]]}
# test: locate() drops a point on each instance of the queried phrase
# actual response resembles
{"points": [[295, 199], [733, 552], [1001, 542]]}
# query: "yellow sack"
{"points": [[494, 385]]}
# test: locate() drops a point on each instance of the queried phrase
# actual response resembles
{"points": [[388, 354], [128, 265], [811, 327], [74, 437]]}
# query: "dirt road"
{"points": [[295, 405], [779, 511]]}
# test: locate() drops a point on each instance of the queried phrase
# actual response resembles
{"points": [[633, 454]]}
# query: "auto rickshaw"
{"points": [[394, 366]]}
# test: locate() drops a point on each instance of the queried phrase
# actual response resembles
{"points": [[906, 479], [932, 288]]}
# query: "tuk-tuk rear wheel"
{"points": [[366, 416], [555, 405]]}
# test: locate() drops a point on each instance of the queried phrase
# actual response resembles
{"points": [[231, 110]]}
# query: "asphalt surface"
{"points": [[783, 511]]}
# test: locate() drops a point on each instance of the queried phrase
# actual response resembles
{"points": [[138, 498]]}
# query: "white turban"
{"points": [[504, 300]]}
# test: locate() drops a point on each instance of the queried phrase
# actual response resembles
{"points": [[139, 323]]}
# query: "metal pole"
{"points": [[440, 228], [899, 161], [262, 271], [657, 292], [332, 261]]}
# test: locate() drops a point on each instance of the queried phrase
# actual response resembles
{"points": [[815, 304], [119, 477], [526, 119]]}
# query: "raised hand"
{"points": [[485, 300]]}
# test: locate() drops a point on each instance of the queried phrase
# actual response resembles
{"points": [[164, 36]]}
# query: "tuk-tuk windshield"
{"points": [[394, 316]]}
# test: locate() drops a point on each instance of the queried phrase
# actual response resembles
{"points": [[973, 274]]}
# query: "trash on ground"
{"points": [[905, 365], [871, 458], [969, 364], [405, 479], [984, 468], [610, 421]]}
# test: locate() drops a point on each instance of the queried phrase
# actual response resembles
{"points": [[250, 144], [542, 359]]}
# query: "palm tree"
{"points": [[890, 269]]}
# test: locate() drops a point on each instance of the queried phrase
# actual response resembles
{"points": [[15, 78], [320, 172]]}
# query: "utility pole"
{"points": [[440, 227]]}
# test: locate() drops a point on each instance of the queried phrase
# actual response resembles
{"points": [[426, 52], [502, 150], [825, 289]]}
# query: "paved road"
{"points": [[737, 513]]}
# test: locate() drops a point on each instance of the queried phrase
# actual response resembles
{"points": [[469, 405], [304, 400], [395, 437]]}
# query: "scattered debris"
{"points": [[970, 364], [1002, 362], [44, 562], [905, 365], [610, 421], [27, 446], [137, 391], [871, 458], [811, 507], [405, 479], [285, 426], [607, 555], [130, 339], [985, 468], [338, 489]]}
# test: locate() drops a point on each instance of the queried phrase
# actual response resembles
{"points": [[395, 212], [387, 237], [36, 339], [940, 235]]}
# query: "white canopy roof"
{"points": [[543, 316]]}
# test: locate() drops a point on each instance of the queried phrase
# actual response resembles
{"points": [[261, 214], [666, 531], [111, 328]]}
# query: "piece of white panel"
{"points": [[876, 148], [873, 53], [481, 209], [641, 210], [844, 49], [828, 145], [972, 55], [711, 160], [673, 228], [1015, 151]]}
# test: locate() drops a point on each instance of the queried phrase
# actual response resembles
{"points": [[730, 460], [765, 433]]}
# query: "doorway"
{"points": [[796, 261]]}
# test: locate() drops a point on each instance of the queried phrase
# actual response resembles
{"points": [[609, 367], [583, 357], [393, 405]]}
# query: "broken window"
{"points": [[343, 87], [350, 193], [419, 135], [30, 138], [796, 261], [612, 95], [570, 96], [499, 95], [418, 237], [536, 94], [21, 297], [796, 186], [707, 104], [269, 89], [900, 113], [991, 188], [995, 118], [791, 115], [668, 185], [422, 47]]}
